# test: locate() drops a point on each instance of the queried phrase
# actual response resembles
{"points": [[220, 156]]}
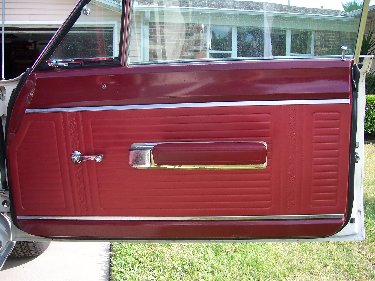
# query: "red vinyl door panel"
{"points": [[292, 116]]}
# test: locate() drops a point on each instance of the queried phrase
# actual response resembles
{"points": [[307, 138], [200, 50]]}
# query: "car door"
{"points": [[187, 120]]}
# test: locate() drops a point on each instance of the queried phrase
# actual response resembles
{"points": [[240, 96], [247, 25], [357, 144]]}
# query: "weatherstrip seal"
{"points": [[188, 105], [184, 218]]}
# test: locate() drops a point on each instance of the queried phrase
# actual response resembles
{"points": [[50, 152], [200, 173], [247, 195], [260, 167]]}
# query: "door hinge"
{"points": [[357, 158]]}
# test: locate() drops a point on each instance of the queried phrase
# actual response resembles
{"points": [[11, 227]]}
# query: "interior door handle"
{"points": [[78, 158], [199, 155]]}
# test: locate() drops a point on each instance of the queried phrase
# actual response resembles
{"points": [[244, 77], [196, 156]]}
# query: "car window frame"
{"points": [[42, 62]]}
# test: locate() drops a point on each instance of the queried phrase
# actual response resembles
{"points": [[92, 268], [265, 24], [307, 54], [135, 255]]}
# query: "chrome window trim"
{"points": [[188, 105], [185, 218]]}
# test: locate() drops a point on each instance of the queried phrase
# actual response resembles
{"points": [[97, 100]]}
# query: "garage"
{"points": [[22, 47]]}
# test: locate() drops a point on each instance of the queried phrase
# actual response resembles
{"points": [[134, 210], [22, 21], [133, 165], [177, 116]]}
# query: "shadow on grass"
{"points": [[370, 209], [369, 138], [12, 262], [370, 219]]}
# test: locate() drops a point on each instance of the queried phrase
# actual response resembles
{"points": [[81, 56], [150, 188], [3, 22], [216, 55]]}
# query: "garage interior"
{"points": [[22, 48]]}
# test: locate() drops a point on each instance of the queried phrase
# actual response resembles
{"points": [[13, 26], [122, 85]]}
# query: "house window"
{"points": [[301, 42], [236, 42], [250, 42], [221, 42], [278, 41]]}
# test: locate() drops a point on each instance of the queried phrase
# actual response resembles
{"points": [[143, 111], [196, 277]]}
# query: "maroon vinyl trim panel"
{"points": [[183, 230]]}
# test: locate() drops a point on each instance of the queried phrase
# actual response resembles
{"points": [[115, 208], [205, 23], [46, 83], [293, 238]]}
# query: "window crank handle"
{"points": [[78, 158]]}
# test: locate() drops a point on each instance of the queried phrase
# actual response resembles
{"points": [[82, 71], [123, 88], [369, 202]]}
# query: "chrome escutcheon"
{"points": [[78, 158]]}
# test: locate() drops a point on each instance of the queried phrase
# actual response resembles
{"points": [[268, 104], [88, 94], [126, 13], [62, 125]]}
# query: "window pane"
{"points": [[95, 34], [301, 42], [192, 30], [278, 42], [221, 38], [250, 42], [86, 42]]}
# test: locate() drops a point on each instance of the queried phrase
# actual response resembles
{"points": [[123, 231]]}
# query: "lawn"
{"points": [[255, 261]]}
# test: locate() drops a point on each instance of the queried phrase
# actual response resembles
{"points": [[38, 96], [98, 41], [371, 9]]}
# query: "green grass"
{"points": [[255, 261]]}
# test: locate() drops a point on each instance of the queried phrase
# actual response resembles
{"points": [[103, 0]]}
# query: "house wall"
{"points": [[178, 41], [256, 19], [37, 10], [328, 42], [167, 35], [139, 25]]}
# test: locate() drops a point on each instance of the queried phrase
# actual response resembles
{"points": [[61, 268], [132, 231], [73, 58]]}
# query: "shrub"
{"points": [[370, 83], [368, 44], [370, 115]]}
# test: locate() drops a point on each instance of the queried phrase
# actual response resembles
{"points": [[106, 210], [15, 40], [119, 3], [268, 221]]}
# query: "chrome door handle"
{"points": [[78, 158], [214, 155]]}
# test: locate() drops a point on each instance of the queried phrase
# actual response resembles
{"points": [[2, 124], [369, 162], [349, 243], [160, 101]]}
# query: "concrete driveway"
{"points": [[65, 261]]}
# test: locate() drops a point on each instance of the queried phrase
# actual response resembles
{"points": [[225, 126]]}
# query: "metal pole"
{"points": [[3, 41]]}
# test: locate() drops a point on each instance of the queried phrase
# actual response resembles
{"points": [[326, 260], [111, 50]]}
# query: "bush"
{"points": [[370, 115], [370, 83]]}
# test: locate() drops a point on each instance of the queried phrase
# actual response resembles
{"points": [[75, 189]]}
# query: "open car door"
{"points": [[198, 120]]}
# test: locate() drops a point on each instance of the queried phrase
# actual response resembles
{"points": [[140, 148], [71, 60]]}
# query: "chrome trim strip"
{"points": [[189, 105], [141, 157], [197, 218]]}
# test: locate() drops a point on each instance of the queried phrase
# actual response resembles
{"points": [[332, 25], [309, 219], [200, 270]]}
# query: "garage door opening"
{"points": [[22, 48]]}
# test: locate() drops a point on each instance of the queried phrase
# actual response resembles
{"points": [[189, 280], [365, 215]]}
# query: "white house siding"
{"points": [[28, 13], [34, 11]]}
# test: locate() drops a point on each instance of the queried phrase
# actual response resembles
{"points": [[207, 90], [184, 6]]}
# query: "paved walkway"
{"points": [[62, 261]]}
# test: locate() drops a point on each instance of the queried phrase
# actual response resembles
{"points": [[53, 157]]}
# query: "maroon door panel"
{"points": [[212, 82], [305, 122]]}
